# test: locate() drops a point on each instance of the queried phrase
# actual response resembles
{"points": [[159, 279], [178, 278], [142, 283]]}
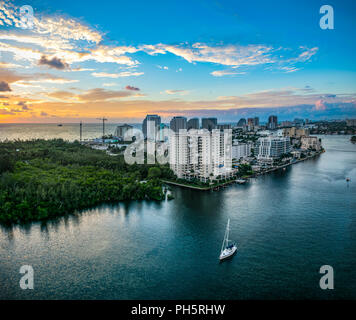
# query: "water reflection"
{"points": [[287, 224]]}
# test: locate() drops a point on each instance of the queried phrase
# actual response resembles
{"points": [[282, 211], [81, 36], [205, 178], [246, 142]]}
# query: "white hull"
{"points": [[227, 253]]}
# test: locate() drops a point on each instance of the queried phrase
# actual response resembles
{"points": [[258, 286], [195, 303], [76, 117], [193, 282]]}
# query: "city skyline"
{"points": [[81, 61]]}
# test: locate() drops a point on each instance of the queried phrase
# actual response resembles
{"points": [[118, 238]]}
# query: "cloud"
{"points": [[58, 41], [81, 69], [53, 63], [61, 94], [64, 43], [307, 89], [50, 80], [11, 76], [99, 94], [233, 55], [33, 78], [118, 105], [65, 38], [92, 95], [66, 28], [44, 114], [109, 84], [6, 112], [9, 65], [307, 54], [64, 50], [16, 110], [130, 74], [55, 26], [333, 111], [181, 92], [320, 105], [229, 55], [221, 73], [116, 75], [289, 69], [20, 51], [23, 105], [105, 75], [4, 86], [101, 54], [132, 88]]}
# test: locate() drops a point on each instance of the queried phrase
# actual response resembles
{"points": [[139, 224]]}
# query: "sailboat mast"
{"points": [[226, 236], [227, 231]]}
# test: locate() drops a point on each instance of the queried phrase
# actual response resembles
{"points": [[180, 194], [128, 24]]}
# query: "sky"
{"points": [[82, 60]]}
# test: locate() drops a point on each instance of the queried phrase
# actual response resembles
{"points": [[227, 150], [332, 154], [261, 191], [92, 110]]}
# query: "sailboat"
{"points": [[228, 248]]}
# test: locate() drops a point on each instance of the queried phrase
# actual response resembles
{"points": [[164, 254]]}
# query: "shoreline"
{"points": [[288, 164], [255, 175]]}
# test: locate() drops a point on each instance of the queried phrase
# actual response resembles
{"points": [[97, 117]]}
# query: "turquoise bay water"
{"points": [[287, 225]]}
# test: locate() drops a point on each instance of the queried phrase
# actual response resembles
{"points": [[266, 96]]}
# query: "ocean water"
{"points": [[68, 131], [287, 225]]}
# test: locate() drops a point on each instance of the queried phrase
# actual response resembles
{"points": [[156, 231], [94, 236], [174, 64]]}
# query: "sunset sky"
{"points": [[226, 58]]}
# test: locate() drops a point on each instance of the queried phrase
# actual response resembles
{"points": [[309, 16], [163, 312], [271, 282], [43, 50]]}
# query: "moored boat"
{"points": [[228, 248]]}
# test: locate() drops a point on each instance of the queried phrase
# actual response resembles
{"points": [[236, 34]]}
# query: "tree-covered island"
{"points": [[43, 179]]}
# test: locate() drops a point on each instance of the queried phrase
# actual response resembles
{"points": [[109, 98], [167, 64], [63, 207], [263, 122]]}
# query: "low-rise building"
{"points": [[298, 122], [265, 133], [296, 154], [311, 143], [351, 122], [294, 132], [286, 123], [256, 168]]}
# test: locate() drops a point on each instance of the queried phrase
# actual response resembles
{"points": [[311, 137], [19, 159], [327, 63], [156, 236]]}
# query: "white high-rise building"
{"points": [[241, 150], [201, 154], [178, 152], [221, 143], [272, 147]]}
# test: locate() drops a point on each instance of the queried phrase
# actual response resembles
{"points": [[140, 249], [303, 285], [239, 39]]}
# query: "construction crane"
{"points": [[103, 120]]}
